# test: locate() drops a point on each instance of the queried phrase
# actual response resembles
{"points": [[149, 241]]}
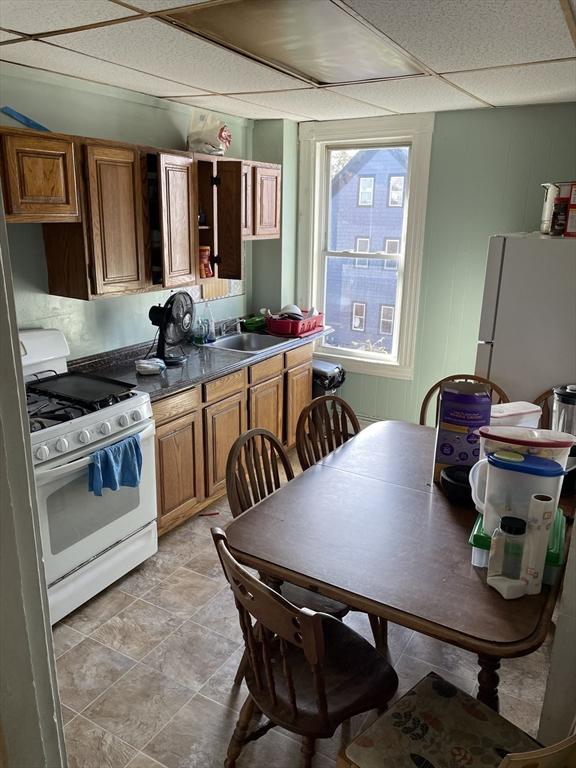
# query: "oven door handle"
{"points": [[46, 473]]}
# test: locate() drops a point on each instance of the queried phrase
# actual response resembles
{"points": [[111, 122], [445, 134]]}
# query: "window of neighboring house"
{"points": [[362, 245], [396, 191], [386, 319], [358, 316], [366, 191], [341, 164], [391, 246]]}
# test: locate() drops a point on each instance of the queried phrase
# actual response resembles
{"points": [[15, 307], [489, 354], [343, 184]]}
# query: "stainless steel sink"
{"points": [[248, 343]]}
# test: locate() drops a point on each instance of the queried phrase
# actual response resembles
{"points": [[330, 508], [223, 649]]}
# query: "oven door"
{"points": [[76, 525]]}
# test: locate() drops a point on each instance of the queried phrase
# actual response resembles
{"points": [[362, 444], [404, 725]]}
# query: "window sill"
{"points": [[365, 365]]}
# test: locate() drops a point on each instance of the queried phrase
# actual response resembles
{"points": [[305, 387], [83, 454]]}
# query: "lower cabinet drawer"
{"points": [[223, 423], [226, 385], [299, 356], [266, 369]]}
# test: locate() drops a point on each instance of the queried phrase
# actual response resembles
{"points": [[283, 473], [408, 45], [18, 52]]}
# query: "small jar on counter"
{"points": [[507, 547]]}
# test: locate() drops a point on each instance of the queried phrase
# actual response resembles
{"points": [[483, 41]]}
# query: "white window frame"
{"points": [[354, 315], [391, 240], [390, 203], [367, 239], [315, 137], [386, 320], [361, 263], [359, 198]]}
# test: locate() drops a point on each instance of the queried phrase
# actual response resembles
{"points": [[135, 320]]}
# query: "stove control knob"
{"points": [[84, 436], [42, 452], [105, 428], [137, 415], [62, 445], [124, 420]]}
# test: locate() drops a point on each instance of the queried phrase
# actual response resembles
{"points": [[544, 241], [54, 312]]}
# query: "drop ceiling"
{"points": [[305, 59]]}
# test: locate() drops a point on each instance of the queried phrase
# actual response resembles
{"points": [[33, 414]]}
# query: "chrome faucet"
{"points": [[225, 325]]}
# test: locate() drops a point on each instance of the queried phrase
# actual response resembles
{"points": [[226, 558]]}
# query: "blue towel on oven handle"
{"points": [[117, 465]]}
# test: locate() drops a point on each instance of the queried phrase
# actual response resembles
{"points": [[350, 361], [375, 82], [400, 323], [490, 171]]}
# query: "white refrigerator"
{"points": [[527, 337]]}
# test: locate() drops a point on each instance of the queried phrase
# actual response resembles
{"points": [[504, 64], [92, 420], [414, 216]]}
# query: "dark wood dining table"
{"points": [[367, 526]]}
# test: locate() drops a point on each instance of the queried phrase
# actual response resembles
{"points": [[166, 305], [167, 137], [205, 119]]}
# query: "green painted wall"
{"points": [[274, 261], [79, 107], [485, 175]]}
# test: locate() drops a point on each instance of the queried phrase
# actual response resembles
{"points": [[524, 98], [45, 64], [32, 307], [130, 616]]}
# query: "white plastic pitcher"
{"points": [[504, 483]]}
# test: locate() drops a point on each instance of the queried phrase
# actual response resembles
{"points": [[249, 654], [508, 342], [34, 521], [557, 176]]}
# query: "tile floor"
{"points": [[145, 669]]}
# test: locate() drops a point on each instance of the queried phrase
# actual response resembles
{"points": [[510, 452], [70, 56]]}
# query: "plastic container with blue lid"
{"points": [[530, 465]]}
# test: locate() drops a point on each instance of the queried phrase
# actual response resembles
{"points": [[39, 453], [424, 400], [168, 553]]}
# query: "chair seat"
{"points": [[357, 679], [306, 598], [436, 725]]}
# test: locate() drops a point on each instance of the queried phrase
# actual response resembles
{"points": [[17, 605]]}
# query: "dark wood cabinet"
{"points": [[223, 423], [178, 198], [267, 201], [40, 182], [247, 203], [179, 469], [298, 395], [115, 197], [266, 405]]}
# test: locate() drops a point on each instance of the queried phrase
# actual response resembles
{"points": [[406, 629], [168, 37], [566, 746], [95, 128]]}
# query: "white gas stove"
{"points": [[88, 541]]}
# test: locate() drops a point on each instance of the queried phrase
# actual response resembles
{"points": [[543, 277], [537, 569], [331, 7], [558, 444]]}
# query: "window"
{"points": [[396, 191], [362, 245], [386, 320], [358, 316], [342, 163], [366, 191], [391, 246]]}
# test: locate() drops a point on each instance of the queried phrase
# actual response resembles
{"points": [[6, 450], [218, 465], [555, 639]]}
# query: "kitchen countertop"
{"points": [[202, 364]]}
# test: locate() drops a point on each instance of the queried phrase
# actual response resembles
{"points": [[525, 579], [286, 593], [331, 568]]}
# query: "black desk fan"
{"points": [[174, 320]]}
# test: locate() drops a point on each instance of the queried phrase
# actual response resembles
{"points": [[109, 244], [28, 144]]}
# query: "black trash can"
{"points": [[327, 378]]}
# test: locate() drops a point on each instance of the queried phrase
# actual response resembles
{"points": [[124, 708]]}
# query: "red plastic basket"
{"points": [[297, 328]]}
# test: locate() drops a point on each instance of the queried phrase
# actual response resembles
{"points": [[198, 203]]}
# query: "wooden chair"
{"points": [[252, 473], [498, 394], [306, 672], [437, 724], [543, 401], [324, 425]]}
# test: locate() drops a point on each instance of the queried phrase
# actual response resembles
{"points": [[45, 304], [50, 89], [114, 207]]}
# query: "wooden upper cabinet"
{"points": [[247, 201], [178, 201], [267, 200], [39, 179], [229, 219], [115, 195]]}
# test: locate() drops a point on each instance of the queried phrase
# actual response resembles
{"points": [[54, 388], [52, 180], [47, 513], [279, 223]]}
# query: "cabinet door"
{"points": [[116, 203], [298, 395], [247, 202], [40, 179], [179, 220], [266, 406], [229, 219], [224, 422], [267, 199], [179, 469]]}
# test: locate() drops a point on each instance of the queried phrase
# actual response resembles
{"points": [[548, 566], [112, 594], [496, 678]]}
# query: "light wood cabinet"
{"points": [[178, 198], [39, 175], [179, 469], [223, 423], [247, 201], [115, 198], [298, 395], [267, 201], [266, 405]]}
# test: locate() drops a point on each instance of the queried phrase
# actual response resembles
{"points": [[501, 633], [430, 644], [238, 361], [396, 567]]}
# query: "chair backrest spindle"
{"points": [[324, 425], [497, 393]]}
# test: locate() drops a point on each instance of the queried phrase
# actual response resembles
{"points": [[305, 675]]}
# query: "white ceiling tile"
{"points": [[531, 84], [49, 57], [318, 104], [232, 106], [410, 94], [450, 35], [163, 5], [160, 49], [36, 16], [7, 36]]}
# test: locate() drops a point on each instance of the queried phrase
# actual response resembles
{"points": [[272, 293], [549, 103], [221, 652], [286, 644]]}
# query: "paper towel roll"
{"points": [[540, 515]]}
